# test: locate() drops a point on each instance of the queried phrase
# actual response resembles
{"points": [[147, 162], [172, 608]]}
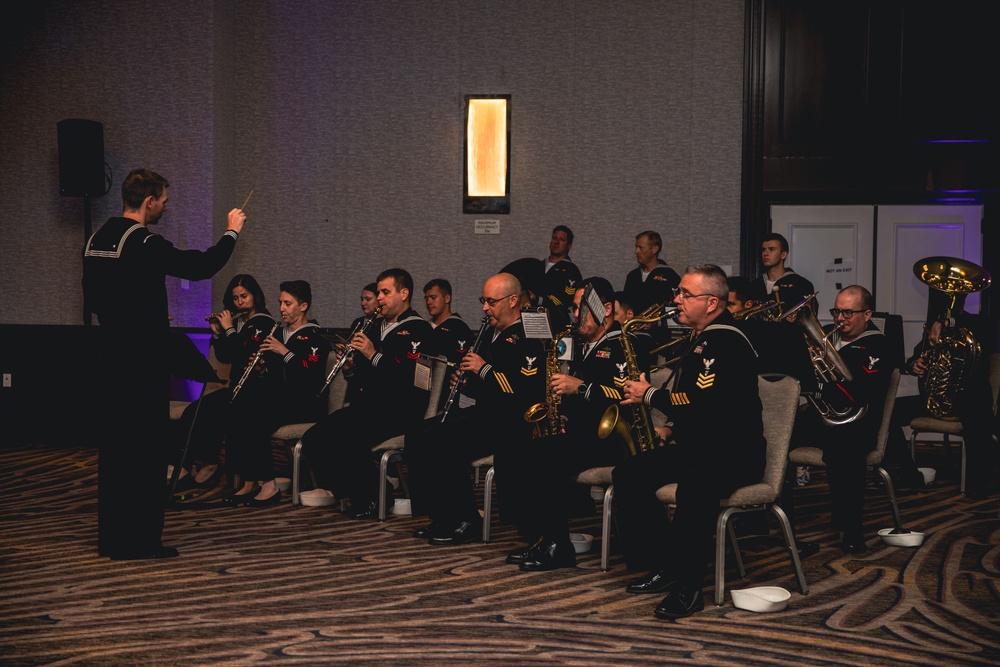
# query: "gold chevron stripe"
{"points": [[504, 384]]}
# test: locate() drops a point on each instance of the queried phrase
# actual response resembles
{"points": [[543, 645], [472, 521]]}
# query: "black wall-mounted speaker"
{"points": [[81, 158]]}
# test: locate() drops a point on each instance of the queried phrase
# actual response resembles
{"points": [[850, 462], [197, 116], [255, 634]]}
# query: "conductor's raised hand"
{"points": [[236, 219]]}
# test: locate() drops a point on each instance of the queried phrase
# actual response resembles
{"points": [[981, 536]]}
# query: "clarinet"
{"points": [[461, 376], [349, 352], [250, 366]]}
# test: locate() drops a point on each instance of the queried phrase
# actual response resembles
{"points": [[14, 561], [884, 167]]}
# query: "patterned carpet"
{"points": [[307, 586]]}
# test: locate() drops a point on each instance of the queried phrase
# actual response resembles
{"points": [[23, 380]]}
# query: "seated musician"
{"points": [[739, 294], [973, 400], [452, 336], [339, 446], [237, 332], [284, 388], [505, 376], [866, 353], [369, 301], [779, 281], [712, 402], [594, 382]]}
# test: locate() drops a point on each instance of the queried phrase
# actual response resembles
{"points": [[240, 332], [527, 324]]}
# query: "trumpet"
{"points": [[349, 352], [251, 364], [763, 309]]}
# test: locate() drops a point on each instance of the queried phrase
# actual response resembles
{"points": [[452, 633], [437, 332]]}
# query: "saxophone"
{"points": [[638, 435], [545, 416]]}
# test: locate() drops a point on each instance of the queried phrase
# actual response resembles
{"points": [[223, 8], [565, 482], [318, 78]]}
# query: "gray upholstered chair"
{"points": [[392, 449], [780, 400], [813, 456], [950, 427], [294, 432]]}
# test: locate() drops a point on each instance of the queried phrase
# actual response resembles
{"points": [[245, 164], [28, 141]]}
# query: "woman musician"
{"points": [[281, 389], [237, 332]]}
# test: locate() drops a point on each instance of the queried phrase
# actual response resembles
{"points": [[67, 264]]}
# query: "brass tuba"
{"points": [[637, 436], [827, 364], [951, 362]]}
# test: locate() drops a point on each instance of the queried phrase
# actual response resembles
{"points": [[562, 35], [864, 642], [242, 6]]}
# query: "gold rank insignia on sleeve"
{"points": [[611, 392], [620, 382], [503, 382], [554, 299], [679, 398], [706, 378]]}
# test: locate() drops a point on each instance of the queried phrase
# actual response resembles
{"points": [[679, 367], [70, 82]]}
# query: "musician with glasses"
{"points": [[867, 354], [339, 446], [712, 403], [504, 377]]}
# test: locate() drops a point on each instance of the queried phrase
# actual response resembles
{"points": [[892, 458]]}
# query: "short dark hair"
{"points": [[441, 284], [740, 286], [567, 230], [250, 284], [603, 288], [654, 238], [139, 184], [299, 289], [622, 301], [370, 287], [774, 236], [401, 277]]}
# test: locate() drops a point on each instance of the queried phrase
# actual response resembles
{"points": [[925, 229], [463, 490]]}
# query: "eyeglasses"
{"points": [[493, 302], [846, 312], [683, 296]]}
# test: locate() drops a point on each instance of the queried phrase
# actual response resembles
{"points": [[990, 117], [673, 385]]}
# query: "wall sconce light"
{"points": [[486, 182]]}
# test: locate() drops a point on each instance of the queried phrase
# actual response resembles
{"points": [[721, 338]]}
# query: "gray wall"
{"points": [[347, 119]]}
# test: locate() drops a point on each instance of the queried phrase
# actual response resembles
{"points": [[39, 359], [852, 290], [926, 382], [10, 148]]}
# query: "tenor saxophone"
{"points": [[638, 435]]}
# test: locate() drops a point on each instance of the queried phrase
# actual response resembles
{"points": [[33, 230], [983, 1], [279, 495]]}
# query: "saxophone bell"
{"points": [[611, 422]]}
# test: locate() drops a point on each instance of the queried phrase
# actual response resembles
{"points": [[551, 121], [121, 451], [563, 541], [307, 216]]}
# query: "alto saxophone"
{"points": [[638, 435], [545, 416]]}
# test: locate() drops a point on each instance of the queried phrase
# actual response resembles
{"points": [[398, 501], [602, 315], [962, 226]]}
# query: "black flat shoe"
{"points": [[239, 499], [656, 581], [550, 555], [465, 532], [682, 602], [367, 511], [854, 543], [266, 502], [147, 554], [430, 530]]}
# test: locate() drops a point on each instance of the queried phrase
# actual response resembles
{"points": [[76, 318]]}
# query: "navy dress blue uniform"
{"points": [[658, 287], [451, 339], [792, 289], [713, 404], [284, 391], [124, 270], [387, 403], [560, 282], [438, 453], [845, 447]]}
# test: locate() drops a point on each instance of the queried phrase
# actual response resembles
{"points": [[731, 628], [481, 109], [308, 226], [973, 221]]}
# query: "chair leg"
{"points": [[383, 469], [296, 467], [720, 555], [889, 491], [913, 444], [737, 554], [488, 503], [609, 499], [786, 530]]}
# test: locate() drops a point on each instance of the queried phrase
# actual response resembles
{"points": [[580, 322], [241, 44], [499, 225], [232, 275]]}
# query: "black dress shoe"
{"points": [[145, 554], [366, 511], [425, 532], [807, 548], [854, 545], [682, 602], [266, 502], [656, 581], [463, 533], [550, 555], [522, 555]]}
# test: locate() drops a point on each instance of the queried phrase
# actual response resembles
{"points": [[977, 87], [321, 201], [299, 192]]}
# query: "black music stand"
{"points": [[188, 363]]}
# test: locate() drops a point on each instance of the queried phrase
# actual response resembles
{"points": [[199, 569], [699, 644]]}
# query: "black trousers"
{"points": [[683, 547]]}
